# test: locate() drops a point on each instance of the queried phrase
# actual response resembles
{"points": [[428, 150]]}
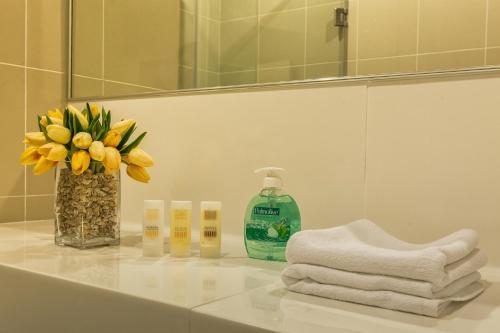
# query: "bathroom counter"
{"points": [[115, 289]]}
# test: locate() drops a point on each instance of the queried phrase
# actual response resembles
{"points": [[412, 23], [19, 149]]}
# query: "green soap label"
{"points": [[266, 225], [266, 211]]}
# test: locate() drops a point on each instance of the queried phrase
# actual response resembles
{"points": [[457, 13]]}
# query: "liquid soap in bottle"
{"points": [[272, 216]]}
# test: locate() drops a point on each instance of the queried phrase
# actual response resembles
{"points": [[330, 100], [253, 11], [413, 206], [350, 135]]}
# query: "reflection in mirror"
{"points": [[124, 47]]}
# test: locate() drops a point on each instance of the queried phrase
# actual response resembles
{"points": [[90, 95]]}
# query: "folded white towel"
{"points": [[296, 273], [362, 246], [459, 274], [388, 299]]}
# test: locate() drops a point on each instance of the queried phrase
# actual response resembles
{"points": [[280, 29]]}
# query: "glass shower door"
{"points": [[236, 42]]}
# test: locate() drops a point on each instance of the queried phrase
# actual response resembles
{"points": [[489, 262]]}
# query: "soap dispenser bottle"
{"points": [[272, 216]]}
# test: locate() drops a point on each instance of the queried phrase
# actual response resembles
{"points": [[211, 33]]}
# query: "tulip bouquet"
{"points": [[86, 140], [89, 151]]}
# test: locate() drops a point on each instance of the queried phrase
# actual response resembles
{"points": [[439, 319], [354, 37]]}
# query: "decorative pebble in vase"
{"points": [[87, 152]]}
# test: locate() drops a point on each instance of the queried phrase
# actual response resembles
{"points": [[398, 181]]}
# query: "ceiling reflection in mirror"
{"points": [[128, 47]]}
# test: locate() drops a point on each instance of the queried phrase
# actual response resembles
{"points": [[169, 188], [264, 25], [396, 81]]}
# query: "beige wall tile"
{"points": [[43, 184], [387, 28], [451, 60], [210, 8], [12, 129], [282, 39], [87, 38], [39, 208], [189, 5], [142, 46], [324, 70], [215, 9], [323, 2], [207, 79], [451, 25], [493, 56], [187, 40], [186, 78], [11, 209], [86, 87], [431, 168], [12, 31], [208, 44], [239, 45], [268, 6], [387, 65], [203, 43], [352, 68], [493, 23], [325, 42], [237, 78], [281, 74], [47, 35], [119, 89], [46, 91], [352, 31], [213, 46], [232, 9]]}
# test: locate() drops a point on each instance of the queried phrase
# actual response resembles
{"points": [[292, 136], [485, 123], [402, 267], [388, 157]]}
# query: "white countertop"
{"points": [[45, 288]]}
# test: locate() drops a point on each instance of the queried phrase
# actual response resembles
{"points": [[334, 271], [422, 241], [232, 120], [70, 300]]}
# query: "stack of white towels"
{"points": [[361, 263]]}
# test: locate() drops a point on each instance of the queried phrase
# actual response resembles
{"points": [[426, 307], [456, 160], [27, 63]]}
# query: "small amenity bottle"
{"points": [[272, 216], [152, 228], [180, 228], [210, 229]]}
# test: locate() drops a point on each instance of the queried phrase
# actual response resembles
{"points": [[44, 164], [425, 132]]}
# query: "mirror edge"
{"points": [[344, 80], [476, 71]]}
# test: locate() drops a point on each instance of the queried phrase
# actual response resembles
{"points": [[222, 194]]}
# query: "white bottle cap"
{"points": [[181, 204], [272, 178], [154, 204], [210, 205]]}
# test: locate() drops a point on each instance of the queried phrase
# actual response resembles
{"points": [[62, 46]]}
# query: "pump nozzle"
{"points": [[272, 178]]}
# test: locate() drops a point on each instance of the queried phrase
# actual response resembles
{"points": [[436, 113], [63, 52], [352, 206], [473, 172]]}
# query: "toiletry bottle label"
{"points": [[268, 225], [151, 231], [209, 227]]}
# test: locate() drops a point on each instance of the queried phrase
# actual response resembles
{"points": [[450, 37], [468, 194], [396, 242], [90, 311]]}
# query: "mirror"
{"points": [[127, 47]]}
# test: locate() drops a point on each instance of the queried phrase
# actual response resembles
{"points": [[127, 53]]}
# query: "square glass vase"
{"points": [[87, 209]]}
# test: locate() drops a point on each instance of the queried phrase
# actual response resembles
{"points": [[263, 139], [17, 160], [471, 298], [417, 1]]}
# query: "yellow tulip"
{"points": [[43, 165], [44, 122], [58, 133], [80, 162], [94, 110], [112, 139], [29, 156], [35, 138], [81, 117], [53, 151], [112, 158], [138, 173], [82, 140], [56, 113], [96, 151], [139, 157], [122, 126]]}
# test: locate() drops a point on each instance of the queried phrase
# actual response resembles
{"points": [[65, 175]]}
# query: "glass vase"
{"points": [[87, 209]]}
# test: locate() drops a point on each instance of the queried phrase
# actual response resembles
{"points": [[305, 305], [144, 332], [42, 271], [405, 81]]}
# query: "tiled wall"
{"points": [[32, 80], [389, 36], [123, 47]]}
